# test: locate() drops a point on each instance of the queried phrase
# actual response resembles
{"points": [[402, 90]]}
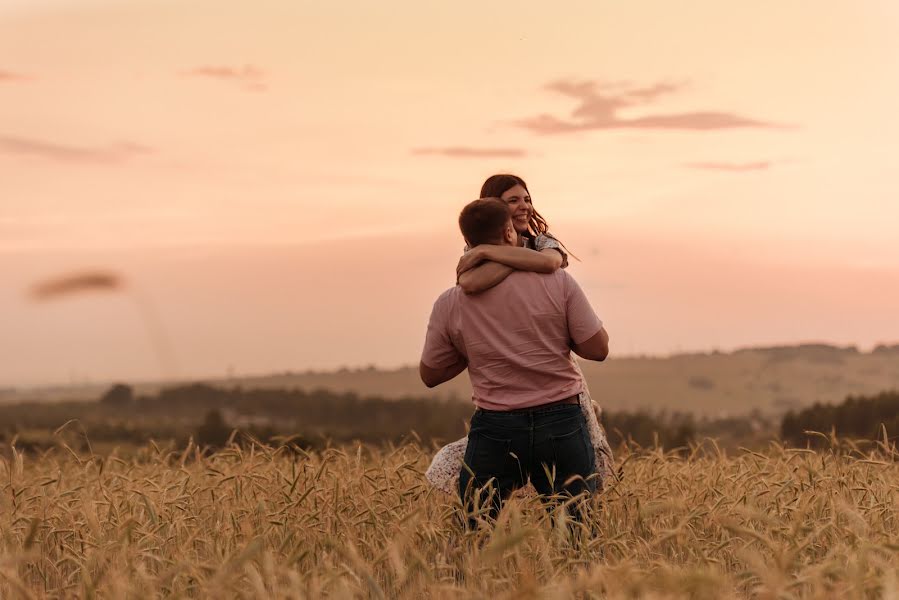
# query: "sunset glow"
{"points": [[282, 179]]}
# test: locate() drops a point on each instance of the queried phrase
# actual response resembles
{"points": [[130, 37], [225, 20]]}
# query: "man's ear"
{"points": [[511, 235]]}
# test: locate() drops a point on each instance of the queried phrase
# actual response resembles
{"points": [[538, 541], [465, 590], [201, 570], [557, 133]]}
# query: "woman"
{"points": [[485, 266]]}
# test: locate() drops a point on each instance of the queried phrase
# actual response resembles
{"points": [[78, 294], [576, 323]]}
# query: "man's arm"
{"points": [[440, 359], [595, 348], [433, 377], [587, 335]]}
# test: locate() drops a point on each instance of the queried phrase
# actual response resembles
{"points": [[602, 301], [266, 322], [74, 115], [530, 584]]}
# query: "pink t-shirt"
{"points": [[515, 337]]}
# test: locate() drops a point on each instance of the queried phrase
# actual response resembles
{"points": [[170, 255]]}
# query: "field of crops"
{"points": [[256, 522]]}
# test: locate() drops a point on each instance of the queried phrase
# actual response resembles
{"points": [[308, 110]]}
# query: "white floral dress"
{"points": [[443, 473]]}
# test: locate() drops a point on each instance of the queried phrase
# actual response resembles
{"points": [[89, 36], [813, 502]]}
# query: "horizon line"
{"points": [[7, 387]]}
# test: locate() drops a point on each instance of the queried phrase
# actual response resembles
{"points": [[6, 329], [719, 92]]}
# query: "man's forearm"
{"points": [[433, 377], [595, 348]]}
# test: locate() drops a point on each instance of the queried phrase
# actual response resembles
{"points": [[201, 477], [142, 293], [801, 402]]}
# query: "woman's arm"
{"points": [[523, 259], [494, 263], [483, 277]]}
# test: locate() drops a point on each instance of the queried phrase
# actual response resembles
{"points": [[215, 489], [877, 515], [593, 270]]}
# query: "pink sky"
{"points": [[283, 178]]}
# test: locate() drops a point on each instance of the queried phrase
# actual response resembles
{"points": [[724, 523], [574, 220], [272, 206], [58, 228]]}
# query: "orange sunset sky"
{"points": [[280, 180]]}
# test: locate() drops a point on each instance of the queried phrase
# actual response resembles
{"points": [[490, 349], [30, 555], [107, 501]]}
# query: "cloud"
{"points": [[76, 283], [726, 166], [112, 153], [249, 77], [599, 106], [7, 76], [467, 152]]}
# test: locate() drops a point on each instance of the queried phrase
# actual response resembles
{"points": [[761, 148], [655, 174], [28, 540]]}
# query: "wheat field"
{"points": [[361, 522]]}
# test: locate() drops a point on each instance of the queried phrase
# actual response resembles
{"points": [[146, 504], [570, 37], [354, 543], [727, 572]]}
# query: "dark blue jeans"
{"points": [[550, 446]]}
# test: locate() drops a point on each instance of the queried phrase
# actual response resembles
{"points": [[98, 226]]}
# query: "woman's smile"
{"points": [[519, 202]]}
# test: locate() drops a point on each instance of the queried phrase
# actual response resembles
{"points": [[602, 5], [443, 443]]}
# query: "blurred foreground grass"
{"points": [[259, 522]]}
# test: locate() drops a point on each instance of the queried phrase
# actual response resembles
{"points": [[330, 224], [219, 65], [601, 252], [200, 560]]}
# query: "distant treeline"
{"points": [[819, 349], [310, 418], [204, 411], [314, 419], [857, 417]]}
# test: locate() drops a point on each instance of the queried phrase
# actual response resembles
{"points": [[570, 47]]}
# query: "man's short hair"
{"points": [[484, 221]]}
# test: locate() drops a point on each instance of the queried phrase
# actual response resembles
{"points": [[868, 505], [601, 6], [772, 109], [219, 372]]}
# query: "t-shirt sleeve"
{"points": [[545, 240], [439, 351], [583, 323]]}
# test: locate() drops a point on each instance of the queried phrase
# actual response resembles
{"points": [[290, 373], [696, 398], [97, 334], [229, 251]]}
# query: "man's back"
{"points": [[516, 337]]}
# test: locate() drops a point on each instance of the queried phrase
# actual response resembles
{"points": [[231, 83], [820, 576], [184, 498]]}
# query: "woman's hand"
{"points": [[470, 260]]}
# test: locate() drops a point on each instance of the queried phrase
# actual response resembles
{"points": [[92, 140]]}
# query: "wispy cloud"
{"points": [[7, 76], [248, 77], [469, 152], [599, 106], [76, 283], [728, 166], [112, 153]]}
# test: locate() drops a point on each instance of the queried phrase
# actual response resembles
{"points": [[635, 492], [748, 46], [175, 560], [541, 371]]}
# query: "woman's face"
{"points": [[519, 202]]}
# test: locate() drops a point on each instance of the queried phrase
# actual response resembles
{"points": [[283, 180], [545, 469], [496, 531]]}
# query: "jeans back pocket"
{"points": [[489, 456], [572, 452]]}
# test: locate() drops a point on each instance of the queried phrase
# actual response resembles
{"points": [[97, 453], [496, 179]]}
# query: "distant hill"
{"points": [[770, 380]]}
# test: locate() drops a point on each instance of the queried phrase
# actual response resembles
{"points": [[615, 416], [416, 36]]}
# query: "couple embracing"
{"points": [[513, 321]]}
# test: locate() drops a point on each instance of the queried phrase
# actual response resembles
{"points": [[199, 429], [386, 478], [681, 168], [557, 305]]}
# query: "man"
{"points": [[515, 339]]}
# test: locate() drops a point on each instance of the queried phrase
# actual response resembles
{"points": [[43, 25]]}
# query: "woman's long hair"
{"points": [[497, 185]]}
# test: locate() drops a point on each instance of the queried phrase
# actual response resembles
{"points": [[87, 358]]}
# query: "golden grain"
{"points": [[262, 522]]}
